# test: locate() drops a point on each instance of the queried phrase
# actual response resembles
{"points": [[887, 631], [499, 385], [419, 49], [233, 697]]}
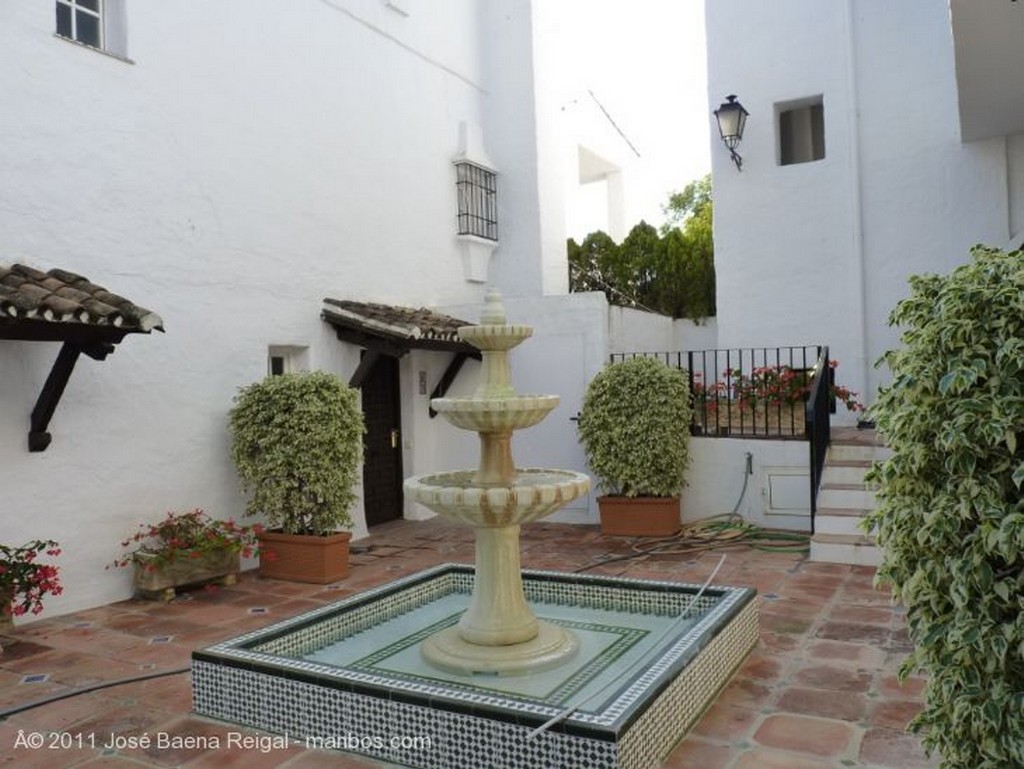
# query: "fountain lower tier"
{"points": [[530, 494]]}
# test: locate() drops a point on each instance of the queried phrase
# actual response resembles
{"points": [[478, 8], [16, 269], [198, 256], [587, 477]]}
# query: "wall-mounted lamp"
{"points": [[731, 119]]}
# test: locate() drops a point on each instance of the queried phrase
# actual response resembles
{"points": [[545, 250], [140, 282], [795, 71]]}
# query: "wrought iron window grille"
{"points": [[477, 193]]}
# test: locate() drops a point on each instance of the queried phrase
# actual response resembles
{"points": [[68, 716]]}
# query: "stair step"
{"points": [[843, 473], [831, 520], [845, 548], [846, 496], [852, 452]]}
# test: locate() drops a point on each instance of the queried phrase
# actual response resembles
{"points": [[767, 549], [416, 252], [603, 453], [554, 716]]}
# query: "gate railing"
{"points": [[782, 393]]}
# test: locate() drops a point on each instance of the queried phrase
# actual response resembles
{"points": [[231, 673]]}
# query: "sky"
{"points": [[645, 62]]}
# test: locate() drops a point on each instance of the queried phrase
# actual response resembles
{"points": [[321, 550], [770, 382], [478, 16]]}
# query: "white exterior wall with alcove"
{"points": [[289, 157], [820, 252]]}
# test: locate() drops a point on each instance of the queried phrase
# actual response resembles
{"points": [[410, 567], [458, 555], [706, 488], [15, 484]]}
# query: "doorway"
{"points": [[382, 457]]}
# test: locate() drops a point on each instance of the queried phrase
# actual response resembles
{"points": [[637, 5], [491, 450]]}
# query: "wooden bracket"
{"points": [[53, 388], [447, 378]]}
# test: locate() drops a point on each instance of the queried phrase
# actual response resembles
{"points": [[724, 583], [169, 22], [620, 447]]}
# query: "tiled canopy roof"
{"points": [[414, 327], [58, 296]]}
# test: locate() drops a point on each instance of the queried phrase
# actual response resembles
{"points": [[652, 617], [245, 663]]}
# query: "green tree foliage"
{"points": [[671, 272], [951, 513]]}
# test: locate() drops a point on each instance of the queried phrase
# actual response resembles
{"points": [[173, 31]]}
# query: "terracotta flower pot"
{"points": [[303, 557], [639, 516]]}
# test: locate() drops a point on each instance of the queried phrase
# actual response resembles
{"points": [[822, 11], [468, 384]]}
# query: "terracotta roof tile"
{"points": [[59, 296], [402, 322]]}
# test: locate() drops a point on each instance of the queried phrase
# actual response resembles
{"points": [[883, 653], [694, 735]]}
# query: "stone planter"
{"points": [[161, 581], [639, 516], [6, 619], [304, 557]]}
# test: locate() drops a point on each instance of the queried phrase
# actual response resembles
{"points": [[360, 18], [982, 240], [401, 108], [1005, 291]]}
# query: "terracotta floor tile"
{"points": [[869, 615], [891, 686], [894, 750], [727, 723], [771, 759], [893, 714], [839, 652], [834, 678], [697, 753], [823, 703], [826, 635], [802, 734]]}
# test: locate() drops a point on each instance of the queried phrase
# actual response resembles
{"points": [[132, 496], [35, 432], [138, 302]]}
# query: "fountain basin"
{"points": [[532, 493], [490, 415], [350, 675]]}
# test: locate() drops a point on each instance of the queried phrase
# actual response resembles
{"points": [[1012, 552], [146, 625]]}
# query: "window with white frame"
{"points": [[801, 131], [99, 24]]}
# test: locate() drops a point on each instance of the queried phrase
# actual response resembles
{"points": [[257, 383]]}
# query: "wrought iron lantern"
{"points": [[732, 118]]}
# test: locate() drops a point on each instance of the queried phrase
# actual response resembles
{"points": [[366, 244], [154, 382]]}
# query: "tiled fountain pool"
{"points": [[351, 675]]}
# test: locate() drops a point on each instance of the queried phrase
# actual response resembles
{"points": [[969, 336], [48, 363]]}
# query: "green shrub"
{"points": [[951, 514], [297, 445], [635, 428]]}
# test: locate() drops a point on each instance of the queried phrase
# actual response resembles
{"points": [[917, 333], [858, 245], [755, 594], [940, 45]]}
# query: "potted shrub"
{"points": [[297, 443], [24, 580], [635, 430], [186, 549]]}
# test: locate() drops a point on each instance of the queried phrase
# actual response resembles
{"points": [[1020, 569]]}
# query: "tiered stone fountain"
{"points": [[650, 656], [498, 634]]}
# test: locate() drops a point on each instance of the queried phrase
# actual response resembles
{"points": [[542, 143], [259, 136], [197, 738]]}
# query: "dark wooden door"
{"points": [[382, 462]]}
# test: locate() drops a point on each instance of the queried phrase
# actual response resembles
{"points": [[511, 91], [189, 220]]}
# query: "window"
{"points": [[476, 188], [286, 359], [81, 20], [99, 24], [801, 132]]}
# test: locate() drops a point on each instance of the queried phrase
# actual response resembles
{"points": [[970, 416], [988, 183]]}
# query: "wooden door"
{"points": [[382, 461]]}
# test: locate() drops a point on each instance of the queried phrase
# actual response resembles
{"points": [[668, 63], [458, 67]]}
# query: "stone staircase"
{"points": [[844, 499]]}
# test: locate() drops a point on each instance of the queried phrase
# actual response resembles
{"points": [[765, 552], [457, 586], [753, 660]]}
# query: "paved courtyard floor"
{"points": [[819, 691]]}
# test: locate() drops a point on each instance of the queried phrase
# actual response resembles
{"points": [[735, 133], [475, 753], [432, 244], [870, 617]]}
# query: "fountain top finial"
{"points": [[494, 310]]}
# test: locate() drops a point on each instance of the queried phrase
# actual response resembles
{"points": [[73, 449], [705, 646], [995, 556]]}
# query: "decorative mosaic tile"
{"points": [[259, 679]]}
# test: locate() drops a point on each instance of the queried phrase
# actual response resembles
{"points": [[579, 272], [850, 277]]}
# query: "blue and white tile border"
{"points": [[256, 679]]}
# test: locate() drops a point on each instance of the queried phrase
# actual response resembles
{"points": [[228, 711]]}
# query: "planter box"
{"points": [[639, 516], [304, 557], [218, 566], [6, 618]]}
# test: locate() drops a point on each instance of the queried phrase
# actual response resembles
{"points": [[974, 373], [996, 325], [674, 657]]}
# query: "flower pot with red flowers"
{"points": [[25, 580], [184, 550]]}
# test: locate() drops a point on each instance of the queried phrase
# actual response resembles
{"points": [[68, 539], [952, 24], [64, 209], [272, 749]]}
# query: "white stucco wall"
{"points": [[719, 482], [820, 252], [247, 164]]}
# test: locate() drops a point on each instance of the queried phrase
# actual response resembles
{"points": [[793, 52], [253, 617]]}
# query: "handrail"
{"points": [[818, 423]]}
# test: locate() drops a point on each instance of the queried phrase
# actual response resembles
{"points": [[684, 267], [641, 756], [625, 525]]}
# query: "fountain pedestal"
{"points": [[498, 634]]}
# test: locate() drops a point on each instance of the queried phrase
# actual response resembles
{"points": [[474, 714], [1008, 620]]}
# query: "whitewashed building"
{"points": [[883, 140], [228, 167]]}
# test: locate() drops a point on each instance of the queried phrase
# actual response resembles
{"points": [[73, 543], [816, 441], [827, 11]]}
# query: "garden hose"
{"points": [[717, 532]]}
